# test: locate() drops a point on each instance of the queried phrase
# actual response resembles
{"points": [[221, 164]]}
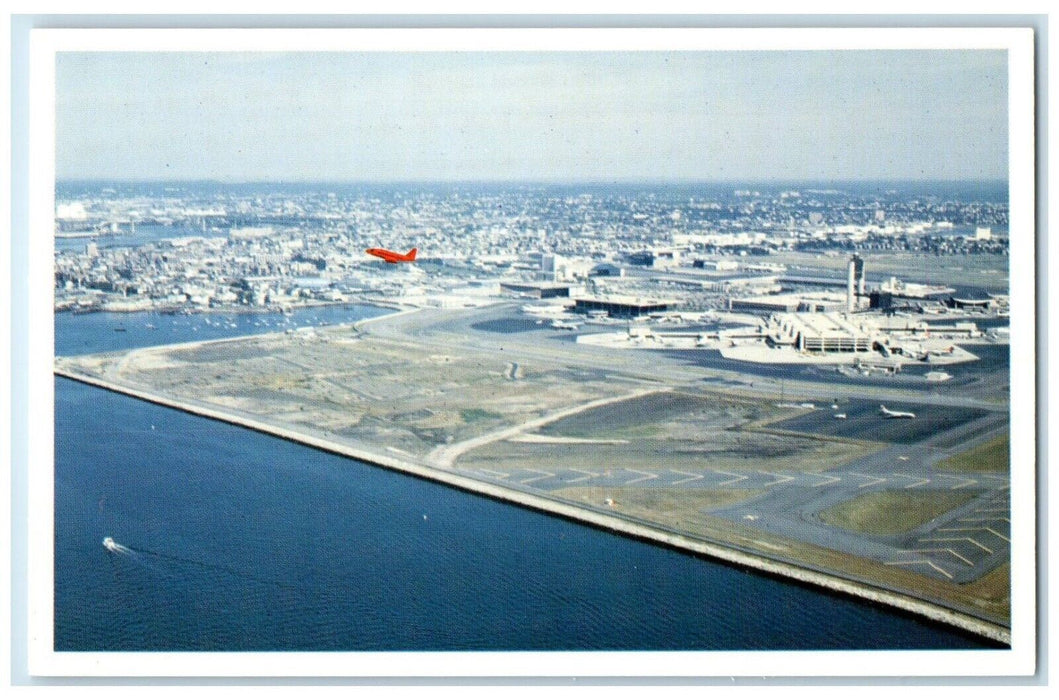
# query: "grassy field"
{"points": [[682, 509], [892, 512], [726, 450], [992, 456], [664, 414], [992, 590], [990, 595]]}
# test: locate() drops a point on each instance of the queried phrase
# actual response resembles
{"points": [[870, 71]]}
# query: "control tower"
{"points": [[854, 282]]}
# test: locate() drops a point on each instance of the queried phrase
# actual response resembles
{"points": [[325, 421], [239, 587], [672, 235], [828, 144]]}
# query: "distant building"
{"points": [[719, 265], [912, 290], [620, 306], [71, 211], [667, 257], [826, 332], [880, 300], [854, 282], [550, 265], [606, 270], [246, 233], [971, 301], [537, 290], [656, 257], [811, 302], [559, 268], [764, 304], [643, 257]]}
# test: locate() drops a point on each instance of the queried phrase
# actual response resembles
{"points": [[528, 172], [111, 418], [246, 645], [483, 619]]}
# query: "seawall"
{"points": [[578, 512]]}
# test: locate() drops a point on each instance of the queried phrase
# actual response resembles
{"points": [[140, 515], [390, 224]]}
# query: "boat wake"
{"points": [[144, 555], [114, 547]]}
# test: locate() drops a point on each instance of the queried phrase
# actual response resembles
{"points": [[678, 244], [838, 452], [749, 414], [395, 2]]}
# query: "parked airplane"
{"points": [[392, 257], [565, 325], [895, 414]]}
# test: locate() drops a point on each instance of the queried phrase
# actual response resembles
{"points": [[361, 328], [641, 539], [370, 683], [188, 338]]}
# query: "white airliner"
{"points": [[895, 414]]}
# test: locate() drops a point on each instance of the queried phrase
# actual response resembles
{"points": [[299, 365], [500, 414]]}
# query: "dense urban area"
{"points": [[182, 249]]}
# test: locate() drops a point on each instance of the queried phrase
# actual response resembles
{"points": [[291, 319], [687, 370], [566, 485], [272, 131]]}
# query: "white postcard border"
{"points": [[44, 661]]}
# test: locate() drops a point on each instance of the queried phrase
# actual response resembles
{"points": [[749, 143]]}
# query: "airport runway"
{"points": [[958, 546]]}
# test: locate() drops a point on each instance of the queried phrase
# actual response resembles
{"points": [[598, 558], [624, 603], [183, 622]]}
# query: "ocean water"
{"points": [[994, 191], [234, 540]]}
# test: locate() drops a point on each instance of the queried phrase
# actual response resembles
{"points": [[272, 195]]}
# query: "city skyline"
{"points": [[534, 116]]}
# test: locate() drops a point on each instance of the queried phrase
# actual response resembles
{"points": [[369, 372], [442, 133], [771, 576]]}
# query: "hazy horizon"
{"points": [[726, 116], [865, 187]]}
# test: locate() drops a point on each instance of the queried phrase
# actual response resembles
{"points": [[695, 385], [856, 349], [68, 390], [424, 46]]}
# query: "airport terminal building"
{"points": [[819, 332], [619, 306], [537, 290]]}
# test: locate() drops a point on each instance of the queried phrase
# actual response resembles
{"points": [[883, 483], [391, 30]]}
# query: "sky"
{"points": [[532, 116]]}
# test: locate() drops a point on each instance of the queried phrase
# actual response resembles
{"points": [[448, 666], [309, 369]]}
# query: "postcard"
{"points": [[584, 352]]}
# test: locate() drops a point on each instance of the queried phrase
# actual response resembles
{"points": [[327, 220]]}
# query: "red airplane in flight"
{"points": [[392, 257]]}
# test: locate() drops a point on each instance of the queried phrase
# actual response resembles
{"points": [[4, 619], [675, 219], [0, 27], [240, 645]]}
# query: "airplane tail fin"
{"points": [[411, 255]]}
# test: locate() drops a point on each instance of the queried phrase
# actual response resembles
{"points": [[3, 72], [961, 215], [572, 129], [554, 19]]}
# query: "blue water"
{"points": [[79, 334], [144, 234], [995, 191], [240, 541]]}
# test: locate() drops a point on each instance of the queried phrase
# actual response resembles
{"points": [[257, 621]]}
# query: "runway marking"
{"points": [[974, 529], [780, 479], [692, 477], [828, 480], [871, 480], [581, 478], [647, 476], [918, 483], [987, 519], [543, 475], [738, 478], [497, 474], [953, 553], [964, 483], [989, 529], [957, 539], [920, 561]]}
